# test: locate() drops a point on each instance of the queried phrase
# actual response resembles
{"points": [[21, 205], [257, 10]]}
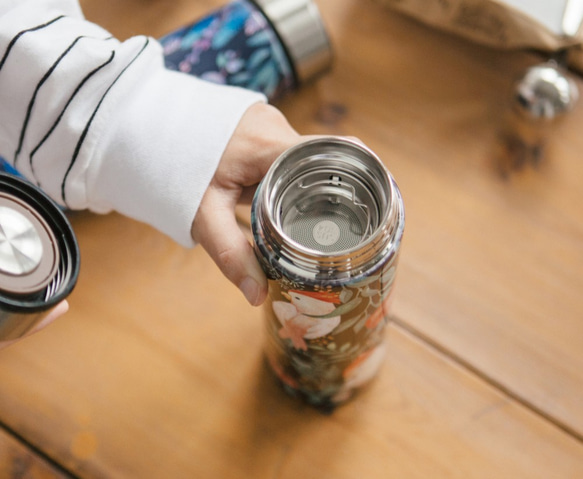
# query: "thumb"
{"points": [[215, 227]]}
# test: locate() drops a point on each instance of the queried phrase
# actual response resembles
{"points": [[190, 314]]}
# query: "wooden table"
{"points": [[157, 371]]}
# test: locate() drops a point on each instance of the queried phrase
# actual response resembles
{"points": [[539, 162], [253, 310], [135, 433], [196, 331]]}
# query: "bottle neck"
{"points": [[328, 209]]}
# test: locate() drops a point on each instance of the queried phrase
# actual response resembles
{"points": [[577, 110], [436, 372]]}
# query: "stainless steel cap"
{"points": [[545, 92], [21, 249], [28, 254], [300, 27]]}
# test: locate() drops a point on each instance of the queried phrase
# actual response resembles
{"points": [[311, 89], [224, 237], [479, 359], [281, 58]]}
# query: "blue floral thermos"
{"points": [[270, 46]]}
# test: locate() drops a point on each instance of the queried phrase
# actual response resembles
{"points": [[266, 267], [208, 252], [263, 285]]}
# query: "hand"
{"points": [[260, 137], [57, 311]]}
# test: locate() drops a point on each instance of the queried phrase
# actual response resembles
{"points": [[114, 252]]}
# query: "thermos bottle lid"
{"points": [[299, 25], [39, 255], [28, 253]]}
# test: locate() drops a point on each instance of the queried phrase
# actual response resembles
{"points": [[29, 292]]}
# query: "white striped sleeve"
{"points": [[101, 124]]}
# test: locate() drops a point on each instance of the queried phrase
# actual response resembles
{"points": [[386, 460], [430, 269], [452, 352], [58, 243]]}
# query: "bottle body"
{"points": [[327, 224], [250, 45]]}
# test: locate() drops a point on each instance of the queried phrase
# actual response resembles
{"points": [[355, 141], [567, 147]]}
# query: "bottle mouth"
{"points": [[329, 205]]}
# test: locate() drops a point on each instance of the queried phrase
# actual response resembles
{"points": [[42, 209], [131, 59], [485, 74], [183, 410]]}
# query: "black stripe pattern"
{"points": [[71, 98], [30, 126], [34, 95], [23, 32], [88, 125]]}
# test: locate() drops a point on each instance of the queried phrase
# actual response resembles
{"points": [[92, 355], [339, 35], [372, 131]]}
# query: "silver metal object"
{"points": [[545, 92], [327, 222], [541, 98], [28, 259], [39, 257], [324, 182], [300, 27], [21, 249]]}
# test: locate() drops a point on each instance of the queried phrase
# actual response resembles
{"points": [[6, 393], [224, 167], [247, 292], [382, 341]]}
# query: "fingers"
{"points": [[263, 133], [216, 229], [57, 311]]}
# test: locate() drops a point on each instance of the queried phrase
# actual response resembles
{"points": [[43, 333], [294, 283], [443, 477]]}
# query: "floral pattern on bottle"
{"points": [[324, 343], [235, 45]]}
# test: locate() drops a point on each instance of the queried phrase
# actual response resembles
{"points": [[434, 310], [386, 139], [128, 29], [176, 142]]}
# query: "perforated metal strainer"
{"points": [[326, 212], [327, 207]]}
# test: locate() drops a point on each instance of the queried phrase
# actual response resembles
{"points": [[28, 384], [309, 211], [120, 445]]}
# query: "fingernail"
{"points": [[252, 291]]}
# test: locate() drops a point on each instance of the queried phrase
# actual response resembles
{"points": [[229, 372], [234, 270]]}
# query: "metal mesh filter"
{"points": [[326, 213], [326, 226]]}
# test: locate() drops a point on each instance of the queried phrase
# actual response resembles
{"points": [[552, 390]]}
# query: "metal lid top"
{"points": [[21, 249], [300, 27], [28, 254]]}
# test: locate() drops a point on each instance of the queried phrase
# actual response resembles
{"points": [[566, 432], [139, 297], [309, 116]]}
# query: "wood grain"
{"points": [[492, 266], [157, 372], [18, 461]]}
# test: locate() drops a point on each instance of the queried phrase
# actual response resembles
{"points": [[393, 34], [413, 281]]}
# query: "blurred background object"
{"points": [[271, 46], [545, 92], [540, 99], [534, 24]]}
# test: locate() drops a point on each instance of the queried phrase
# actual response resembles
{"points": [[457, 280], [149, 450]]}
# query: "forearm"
{"points": [[100, 124]]}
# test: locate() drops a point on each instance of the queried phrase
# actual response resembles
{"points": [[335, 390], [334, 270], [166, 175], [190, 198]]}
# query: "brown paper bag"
{"points": [[500, 24]]}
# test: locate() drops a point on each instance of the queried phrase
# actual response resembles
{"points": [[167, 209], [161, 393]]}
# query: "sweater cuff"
{"points": [[160, 145]]}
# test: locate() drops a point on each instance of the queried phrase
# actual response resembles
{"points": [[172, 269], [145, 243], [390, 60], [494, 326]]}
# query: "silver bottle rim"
{"points": [[347, 174]]}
